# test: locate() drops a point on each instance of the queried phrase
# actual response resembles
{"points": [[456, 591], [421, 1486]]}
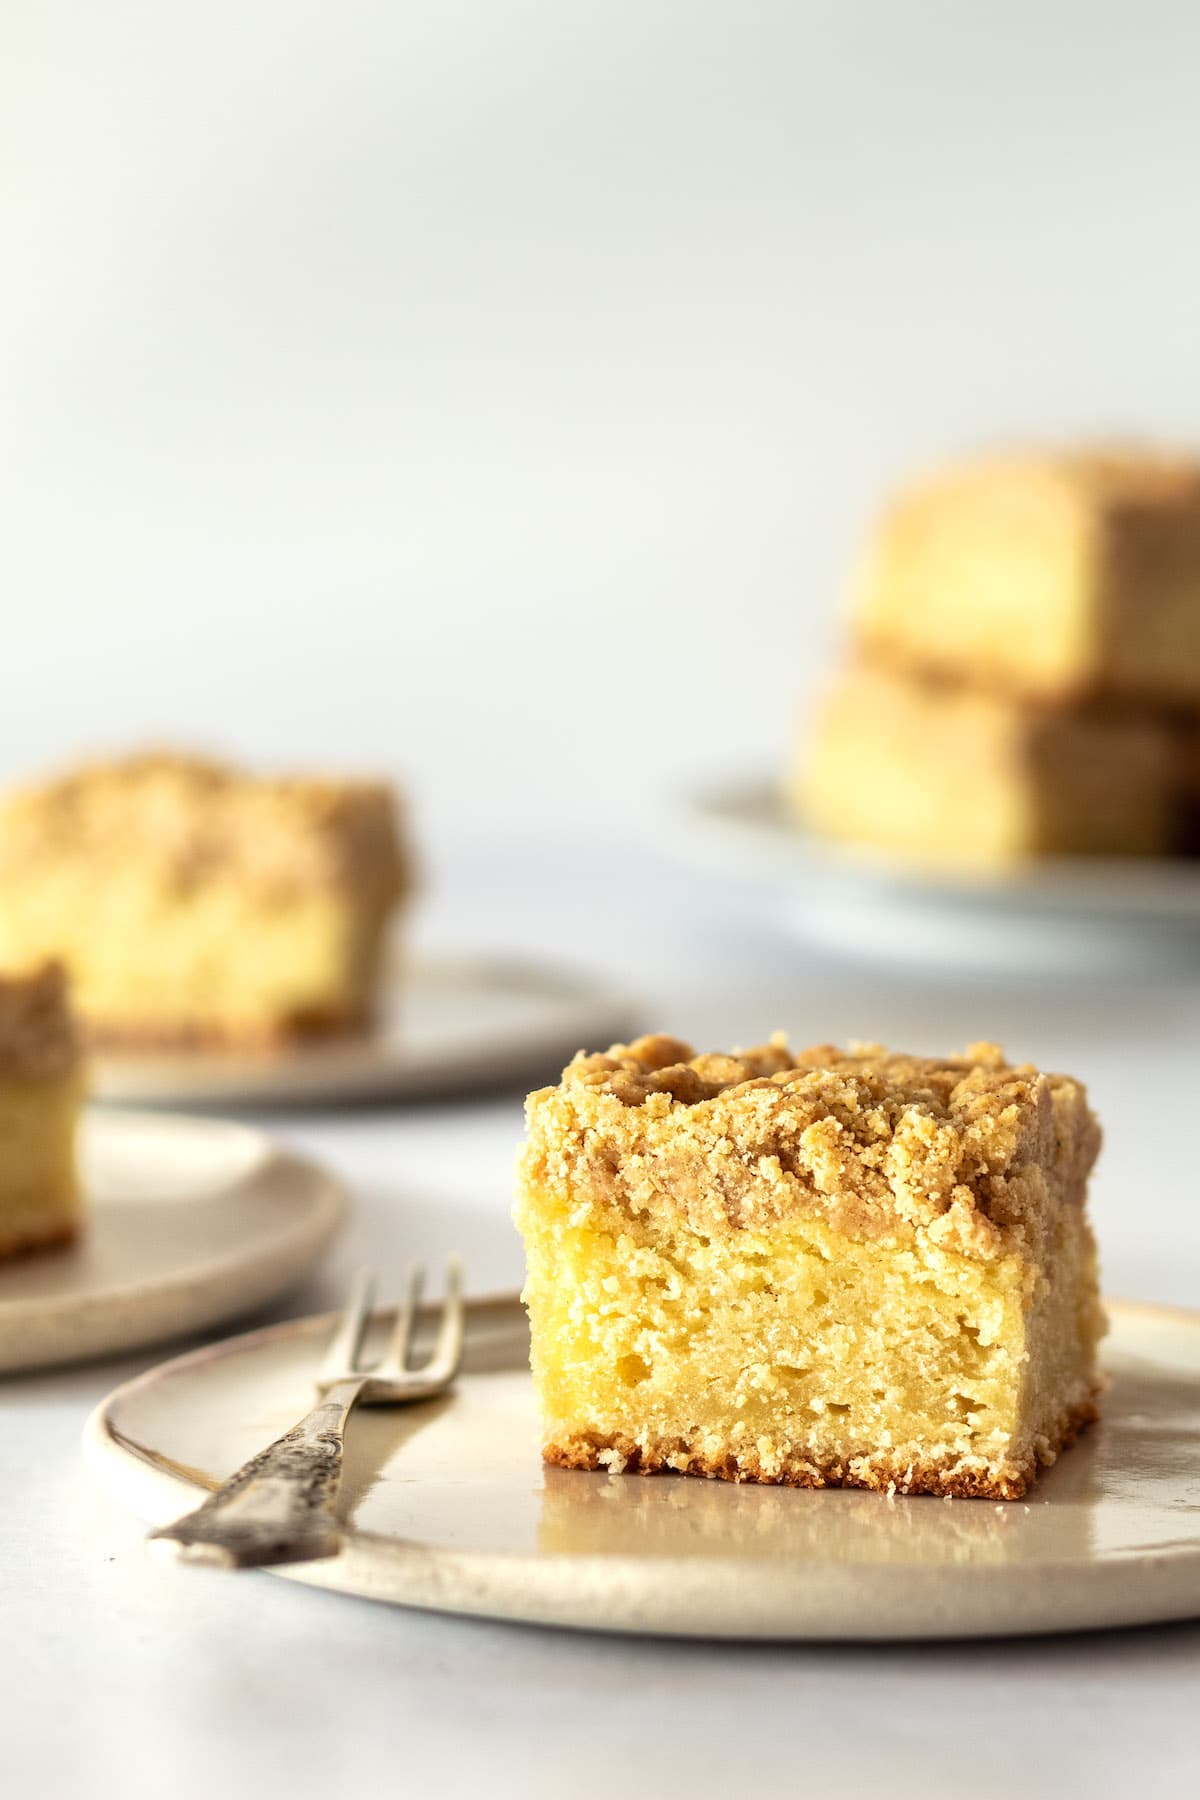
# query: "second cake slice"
{"points": [[192, 903], [948, 775]]}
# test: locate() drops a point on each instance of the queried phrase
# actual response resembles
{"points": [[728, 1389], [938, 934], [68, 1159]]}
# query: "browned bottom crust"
{"points": [[263, 1038], [1010, 1481], [52, 1236]]}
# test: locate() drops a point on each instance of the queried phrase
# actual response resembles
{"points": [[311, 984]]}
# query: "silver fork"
{"points": [[279, 1507]]}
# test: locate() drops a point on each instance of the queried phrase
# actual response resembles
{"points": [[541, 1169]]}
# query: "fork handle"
{"points": [[279, 1507]]}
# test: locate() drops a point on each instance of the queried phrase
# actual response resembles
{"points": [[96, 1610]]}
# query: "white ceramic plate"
{"points": [[453, 1509], [191, 1223], [450, 1027], [1055, 912]]}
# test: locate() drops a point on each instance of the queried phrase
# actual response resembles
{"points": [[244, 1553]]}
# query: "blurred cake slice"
{"points": [[41, 1090], [192, 903], [1058, 577], [824, 1268], [953, 775]]}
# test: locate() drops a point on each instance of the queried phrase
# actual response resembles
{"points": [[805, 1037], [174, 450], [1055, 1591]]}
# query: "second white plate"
{"points": [[447, 1027], [191, 1222], [1060, 914]]}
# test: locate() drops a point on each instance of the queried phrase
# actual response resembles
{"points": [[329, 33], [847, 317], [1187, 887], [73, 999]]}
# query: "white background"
{"points": [[494, 391]]}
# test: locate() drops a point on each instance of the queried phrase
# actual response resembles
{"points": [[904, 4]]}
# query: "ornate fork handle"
{"points": [[279, 1506]]}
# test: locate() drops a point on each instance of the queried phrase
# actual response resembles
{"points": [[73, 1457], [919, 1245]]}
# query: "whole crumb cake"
{"points": [[191, 902], [827, 1267], [41, 1090]]}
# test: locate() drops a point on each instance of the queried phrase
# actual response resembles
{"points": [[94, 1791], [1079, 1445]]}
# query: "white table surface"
{"points": [[119, 1676]]}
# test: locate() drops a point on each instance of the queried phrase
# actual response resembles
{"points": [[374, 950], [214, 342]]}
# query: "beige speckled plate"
{"points": [[447, 1027], [191, 1222], [453, 1509]]}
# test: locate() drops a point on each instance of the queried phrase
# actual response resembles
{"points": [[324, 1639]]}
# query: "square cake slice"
{"points": [[1059, 577], [41, 1090], [950, 775], [826, 1268], [192, 903]]}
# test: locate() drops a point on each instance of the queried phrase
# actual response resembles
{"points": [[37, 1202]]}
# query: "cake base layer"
{"points": [[212, 969], [878, 1471], [804, 1356]]}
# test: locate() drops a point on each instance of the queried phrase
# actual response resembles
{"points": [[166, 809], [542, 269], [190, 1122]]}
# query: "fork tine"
{"points": [[342, 1355], [396, 1358], [447, 1351]]}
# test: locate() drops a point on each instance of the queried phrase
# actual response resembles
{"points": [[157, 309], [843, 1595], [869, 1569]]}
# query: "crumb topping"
{"points": [[971, 1151], [183, 819], [38, 1038]]}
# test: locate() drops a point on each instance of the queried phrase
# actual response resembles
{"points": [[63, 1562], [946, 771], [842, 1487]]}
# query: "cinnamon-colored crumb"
{"points": [[973, 1151]]}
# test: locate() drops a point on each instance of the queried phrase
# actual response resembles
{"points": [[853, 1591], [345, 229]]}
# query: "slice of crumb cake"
{"points": [[1060, 576], [41, 1090], [825, 1268], [195, 903], [957, 777]]}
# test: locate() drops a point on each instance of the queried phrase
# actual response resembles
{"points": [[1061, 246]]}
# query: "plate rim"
{"points": [[233, 1283], [532, 1588], [718, 813]]}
